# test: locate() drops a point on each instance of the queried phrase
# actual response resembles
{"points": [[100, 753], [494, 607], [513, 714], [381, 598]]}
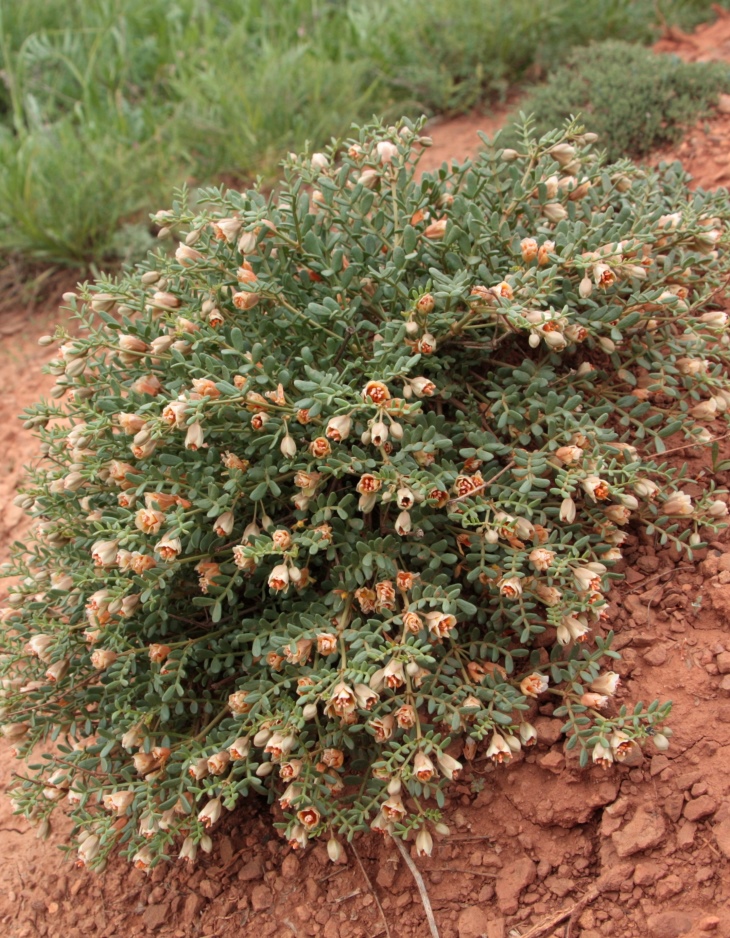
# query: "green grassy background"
{"points": [[107, 105]]}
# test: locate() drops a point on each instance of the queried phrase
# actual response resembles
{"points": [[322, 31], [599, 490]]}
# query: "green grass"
{"points": [[107, 105], [633, 98]]}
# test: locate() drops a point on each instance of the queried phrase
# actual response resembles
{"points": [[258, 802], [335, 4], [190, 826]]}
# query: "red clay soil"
{"points": [[539, 848]]}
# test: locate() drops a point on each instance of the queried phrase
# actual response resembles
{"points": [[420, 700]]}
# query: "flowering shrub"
{"points": [[332, 495]]}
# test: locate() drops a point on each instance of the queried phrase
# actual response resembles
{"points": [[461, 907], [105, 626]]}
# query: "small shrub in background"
{"points": [[635, 99], [333, 495], [141, 95]]}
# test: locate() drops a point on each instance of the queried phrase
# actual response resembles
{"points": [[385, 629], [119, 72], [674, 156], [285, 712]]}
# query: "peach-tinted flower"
{"points": [[440, 624], [384, 595], [498, 749], [320, 447], [168, 547], [308, 817], [342, 701], [333, 758], [383, 727], [412, 622], [326, 643], [194, 437], [533, 685], [510, 587], [376, 392], [103, 658], [541, 558], [338, 428], [366, 599], [436, 230], [210, 813], [406, 717], [279, 578], [147, 384]]}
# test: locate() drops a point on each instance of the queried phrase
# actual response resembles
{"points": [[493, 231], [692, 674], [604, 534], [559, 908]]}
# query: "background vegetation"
{"points": [[107, 105], [635, 100]]}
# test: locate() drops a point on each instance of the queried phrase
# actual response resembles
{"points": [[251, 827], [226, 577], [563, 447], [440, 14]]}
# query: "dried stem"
{"points": [[415, 872]]}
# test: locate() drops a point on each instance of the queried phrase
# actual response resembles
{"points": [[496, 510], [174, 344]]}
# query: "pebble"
{"points": [[722, 836], [656, 656], [648, 872], [723, 662], [156, 915], [261, 898], [669, 924], [673, 806], [686, 834], [512, 881], [252, 870], [644, 831], [191, 910], [700, 808]]}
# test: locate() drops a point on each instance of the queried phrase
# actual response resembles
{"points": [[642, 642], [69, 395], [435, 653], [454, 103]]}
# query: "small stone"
{"points": [[687, 779], [723, 561], [261, 898], [709, 923], [252, 870], [512, 881], [225, 848], [648, 872], [722, 836], [658, 764], [614, 877], [548, 730], [473, 922], [644, 831], [723, 662], [609, 825], [669, 924], [209, 889], [704, 874], [656, 656], [560, 886], [191, 910], [156, 915], [649, 563], [686, 834], [669, 886], [290, 866], [553, 761], [700, 808], [673, 806], [724, 687]]}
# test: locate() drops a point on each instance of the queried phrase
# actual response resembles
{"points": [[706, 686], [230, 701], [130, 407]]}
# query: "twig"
{"points": [[415, 872], [544, 928], [349, 895], [676, 449], [323, 879], [372, 889], [658, 576], [456, 869]]}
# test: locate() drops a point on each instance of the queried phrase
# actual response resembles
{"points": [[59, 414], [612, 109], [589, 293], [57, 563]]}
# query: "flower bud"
{"points": [[554, 212], [424, 843], [334, 849]]}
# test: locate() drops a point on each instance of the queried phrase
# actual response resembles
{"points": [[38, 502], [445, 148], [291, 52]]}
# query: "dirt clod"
{"points": [[644, 831]]}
